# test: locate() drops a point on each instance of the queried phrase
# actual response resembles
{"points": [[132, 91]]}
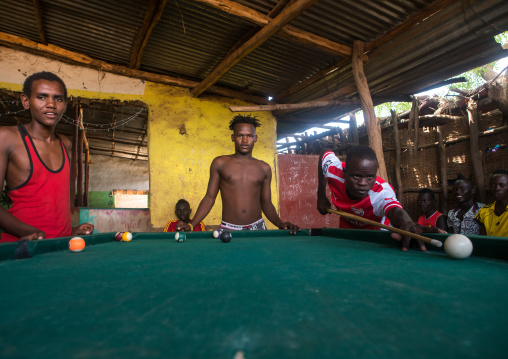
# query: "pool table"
{"points": [[323, 293]]}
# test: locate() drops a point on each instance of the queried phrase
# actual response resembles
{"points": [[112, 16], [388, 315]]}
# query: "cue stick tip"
{"points": [[436, 243]]}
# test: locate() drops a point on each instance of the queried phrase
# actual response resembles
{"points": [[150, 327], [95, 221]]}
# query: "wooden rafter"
{"points": [[141, 142], [296, 106], [288, 14], [307, 82], [152, 17], [40, 24], [246, 13], [74, 57], [409, 23]]}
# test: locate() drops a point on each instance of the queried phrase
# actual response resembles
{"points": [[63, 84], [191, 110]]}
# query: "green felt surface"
{"points": [[267, 294]]}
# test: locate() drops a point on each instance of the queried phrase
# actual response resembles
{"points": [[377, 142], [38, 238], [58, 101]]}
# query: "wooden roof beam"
{"points": [[274, 26], [74, 57], [246, 13], [40, 24], [152, 17], [413, 20], [296, 106]]}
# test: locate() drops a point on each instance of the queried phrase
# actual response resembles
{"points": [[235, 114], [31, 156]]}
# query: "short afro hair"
{"points": [[182, 201], [44, 75], [428, 191], [499, 172], [251, 120], [361, 152]]}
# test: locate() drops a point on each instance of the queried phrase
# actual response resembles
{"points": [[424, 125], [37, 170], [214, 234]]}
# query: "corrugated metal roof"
{"points": [[192, 38]]}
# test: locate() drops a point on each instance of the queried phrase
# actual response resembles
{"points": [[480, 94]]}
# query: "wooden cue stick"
{"points": [[434, 242]]}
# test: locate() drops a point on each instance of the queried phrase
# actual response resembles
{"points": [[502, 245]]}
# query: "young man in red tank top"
{"points": [[431, 217], [34, 162]]}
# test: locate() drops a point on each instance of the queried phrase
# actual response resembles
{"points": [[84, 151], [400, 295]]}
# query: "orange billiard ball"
{"points": [[77, 244], [126, 236]]}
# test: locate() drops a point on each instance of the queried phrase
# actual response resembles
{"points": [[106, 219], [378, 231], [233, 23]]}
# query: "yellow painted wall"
{"points": [[180, 164]]}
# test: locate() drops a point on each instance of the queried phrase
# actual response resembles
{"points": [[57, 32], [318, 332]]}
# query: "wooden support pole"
{"points": [[415, 118], [74, 155], [443, 198], [80, 160], [476, 160], [87, 176], [353, 129], [398, 177], [371, 122]]}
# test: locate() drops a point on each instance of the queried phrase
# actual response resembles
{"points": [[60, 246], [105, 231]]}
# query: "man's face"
{"points": [[499, 186], [182, 211], [47, 102], [360, 177], [463, 191], [426, 203], [244, 136]]}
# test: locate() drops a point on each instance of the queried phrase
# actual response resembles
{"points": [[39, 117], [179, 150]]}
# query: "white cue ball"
{"points": [[458, 246], [216, 234]]}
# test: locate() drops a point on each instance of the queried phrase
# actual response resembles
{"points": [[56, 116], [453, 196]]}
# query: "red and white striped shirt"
{"points": [[380, 199]]}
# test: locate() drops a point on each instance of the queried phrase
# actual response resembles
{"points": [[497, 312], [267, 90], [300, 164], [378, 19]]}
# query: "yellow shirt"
{"points": [[496, 226]]}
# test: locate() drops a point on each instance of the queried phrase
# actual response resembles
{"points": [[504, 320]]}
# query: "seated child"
{"points": [[493, 218], [183, 211], [461, 219], [431, 217]]}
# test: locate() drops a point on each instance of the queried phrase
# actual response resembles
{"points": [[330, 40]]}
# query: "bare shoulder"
{"points": [[8, 136], [265, 166], [66, 141]]}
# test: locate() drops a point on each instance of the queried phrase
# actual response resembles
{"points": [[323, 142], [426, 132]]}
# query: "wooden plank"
{"points": [[371, 121], [353, 129], [398, 155], [74, 57], [152, 17], [409, 23], [476, 160], [40, 24], [294, 106], [87, 176], [443, 198], [274, 26], [260, 19]]}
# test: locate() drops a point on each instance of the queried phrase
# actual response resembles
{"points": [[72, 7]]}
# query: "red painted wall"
{"points": [[298, 192]]}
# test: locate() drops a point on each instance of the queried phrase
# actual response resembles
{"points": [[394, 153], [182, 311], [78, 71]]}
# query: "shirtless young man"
{"points": [[244, 183], [357, 190], [34, 162]]}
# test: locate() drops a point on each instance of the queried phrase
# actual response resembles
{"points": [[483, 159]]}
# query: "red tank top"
{"points": [[43, 200], [431, 221]]}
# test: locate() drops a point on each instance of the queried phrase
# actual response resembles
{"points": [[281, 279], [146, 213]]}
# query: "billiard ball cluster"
{"points": [[225, 236], [123, 236]]}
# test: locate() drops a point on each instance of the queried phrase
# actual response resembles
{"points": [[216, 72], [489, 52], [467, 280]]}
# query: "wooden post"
{"points": [[443, 198], [87, 176], [371, 122], [74, 155], [398, 177], [353, 129], [479, 178], [80, 161], [414, 119]]}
